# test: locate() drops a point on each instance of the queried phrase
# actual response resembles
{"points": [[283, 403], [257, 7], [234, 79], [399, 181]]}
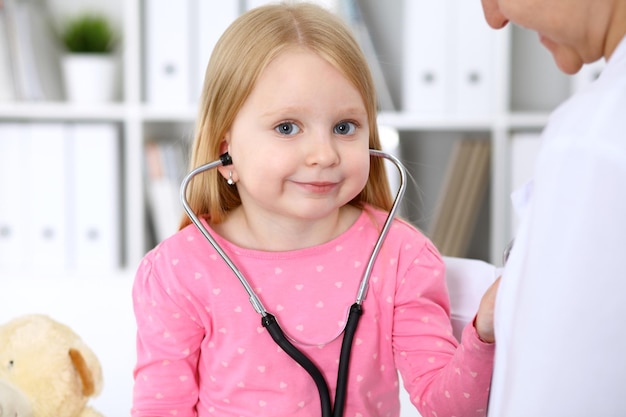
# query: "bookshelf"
{"points": [[526, 86]]}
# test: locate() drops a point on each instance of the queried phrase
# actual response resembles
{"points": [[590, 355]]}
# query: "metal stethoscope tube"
{"points": [[269, 321]]}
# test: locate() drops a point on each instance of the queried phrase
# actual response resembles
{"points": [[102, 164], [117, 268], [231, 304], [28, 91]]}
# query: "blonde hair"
{"points": [[239, 57]]}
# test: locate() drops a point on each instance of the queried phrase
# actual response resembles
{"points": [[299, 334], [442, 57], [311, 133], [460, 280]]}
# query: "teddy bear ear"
{"points": [[86, 376]]}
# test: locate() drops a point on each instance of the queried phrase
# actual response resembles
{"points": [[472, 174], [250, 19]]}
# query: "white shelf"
{"points": [[412, 122], [183, 114], [63, 111], [527, 120]]}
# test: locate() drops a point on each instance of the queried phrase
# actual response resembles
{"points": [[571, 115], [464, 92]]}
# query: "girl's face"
{"points": [[299, 143], [574, 31]]}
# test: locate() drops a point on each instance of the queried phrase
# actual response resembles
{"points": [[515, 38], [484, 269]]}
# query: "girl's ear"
{"points": [[225, 145]]}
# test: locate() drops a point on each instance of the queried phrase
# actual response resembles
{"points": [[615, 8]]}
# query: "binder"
{"points": [[351, 12], [448, 199], [33, 50], [95, 196], [7, 83], [464, 187], [473, 62], [12, 195], [47, 162], [469, 200], [251, 4], [168, 72], [211, 20], [164, 171], [28, 84], [426, 38], [331, 5]]}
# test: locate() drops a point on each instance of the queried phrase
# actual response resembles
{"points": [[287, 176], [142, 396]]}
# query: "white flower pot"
{"points": [[91, 78]]}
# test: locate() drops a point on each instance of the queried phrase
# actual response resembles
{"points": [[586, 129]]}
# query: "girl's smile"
{"points": [[317, 187]]}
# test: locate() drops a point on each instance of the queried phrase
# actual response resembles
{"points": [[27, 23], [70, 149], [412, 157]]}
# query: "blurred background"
{"points": [[94, 136]]}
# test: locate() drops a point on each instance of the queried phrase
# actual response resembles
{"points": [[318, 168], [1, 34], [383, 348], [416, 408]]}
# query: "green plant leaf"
{"points": [[89, 33]]}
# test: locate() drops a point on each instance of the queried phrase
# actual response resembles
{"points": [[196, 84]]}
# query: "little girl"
{"points": [[289, 96]]}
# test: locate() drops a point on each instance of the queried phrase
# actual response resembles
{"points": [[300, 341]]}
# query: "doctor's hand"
{"points": [[484, 317]]}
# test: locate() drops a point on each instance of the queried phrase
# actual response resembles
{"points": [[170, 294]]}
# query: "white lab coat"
{"points": [[561, 307]]}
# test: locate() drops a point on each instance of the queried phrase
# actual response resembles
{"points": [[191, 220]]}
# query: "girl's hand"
{"points": [[484, 317]]}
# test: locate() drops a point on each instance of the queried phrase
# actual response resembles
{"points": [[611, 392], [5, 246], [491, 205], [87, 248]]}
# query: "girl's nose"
{"points": [[322, 150], [494, 17]]}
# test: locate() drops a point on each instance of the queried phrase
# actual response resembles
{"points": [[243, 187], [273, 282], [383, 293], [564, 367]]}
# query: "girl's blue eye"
{"points": [[287, 128], [345, 128]]}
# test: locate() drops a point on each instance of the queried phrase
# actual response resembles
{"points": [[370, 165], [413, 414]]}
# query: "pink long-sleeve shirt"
{"points": [[201, 349]]}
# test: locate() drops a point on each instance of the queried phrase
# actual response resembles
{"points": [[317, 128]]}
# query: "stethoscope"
{"points": [[269, 321]]}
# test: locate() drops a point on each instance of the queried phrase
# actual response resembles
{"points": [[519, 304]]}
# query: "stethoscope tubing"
{"points": [[385, 230], [224, 160], [269, 321], [273, 328]]}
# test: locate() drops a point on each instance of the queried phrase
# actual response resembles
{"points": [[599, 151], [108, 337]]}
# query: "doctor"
{"points": [[561, 305]]}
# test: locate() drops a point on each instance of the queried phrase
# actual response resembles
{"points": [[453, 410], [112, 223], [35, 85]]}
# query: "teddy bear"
{"points": [[46, 370]]}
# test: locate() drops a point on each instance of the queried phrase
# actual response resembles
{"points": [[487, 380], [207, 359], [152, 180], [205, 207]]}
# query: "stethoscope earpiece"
{"points": [[225, 159]]}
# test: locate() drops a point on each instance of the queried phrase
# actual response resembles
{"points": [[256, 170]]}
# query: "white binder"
{"points": [[7, 80], [12, 194], [47, 149], [473, 63], [426, 38], [95, 197], [251, 4], [211, 20], [168, 72], [331, 5]]}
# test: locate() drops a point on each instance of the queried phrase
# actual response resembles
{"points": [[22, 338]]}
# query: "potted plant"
{"points": [[90, 65]]}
